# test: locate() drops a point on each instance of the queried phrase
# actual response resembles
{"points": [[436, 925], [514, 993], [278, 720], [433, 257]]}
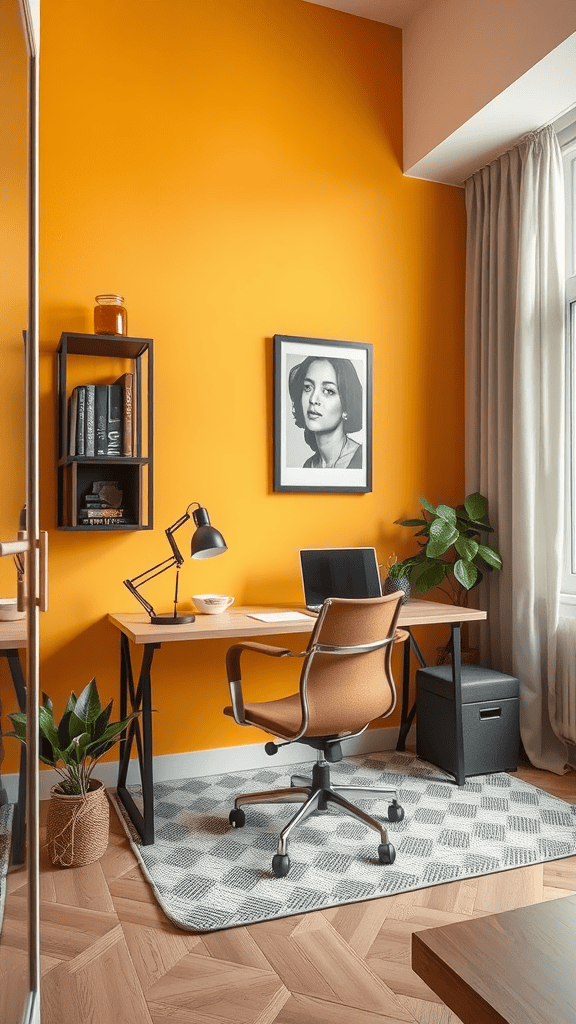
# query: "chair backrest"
{"points": [[346, 678]]}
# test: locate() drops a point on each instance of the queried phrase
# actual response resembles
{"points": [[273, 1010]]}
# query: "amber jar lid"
{"points": [[110, 300]]}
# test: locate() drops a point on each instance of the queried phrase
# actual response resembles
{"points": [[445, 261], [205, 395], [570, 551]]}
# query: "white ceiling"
{"points": [[390, 12]]}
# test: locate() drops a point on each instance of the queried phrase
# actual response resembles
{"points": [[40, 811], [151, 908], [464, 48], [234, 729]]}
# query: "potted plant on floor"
{"points": [[78, 813], [452, 555]]}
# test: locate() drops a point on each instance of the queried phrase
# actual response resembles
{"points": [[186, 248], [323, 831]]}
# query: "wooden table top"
{"points": [[13, 635], [518, 967], [237, 622]]}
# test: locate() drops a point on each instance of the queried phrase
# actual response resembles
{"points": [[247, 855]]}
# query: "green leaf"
{"points": [[75, 726], [18, 720], [98, 727], [446, 513], [442, 536], [48, 729], [490, 556], [71, 703], [64, 734], [427, 578], [46, 701], [88, 704], [476, 506], [426, 504], [466, 573], [466, 548], [110, 736], [413, 522], [76, 751]]}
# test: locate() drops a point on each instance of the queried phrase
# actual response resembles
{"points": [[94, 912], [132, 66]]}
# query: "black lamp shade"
{"points": [[206, 541]]}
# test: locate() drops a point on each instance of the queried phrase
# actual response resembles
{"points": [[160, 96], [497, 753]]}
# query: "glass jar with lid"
{"points": [[110, 316]]}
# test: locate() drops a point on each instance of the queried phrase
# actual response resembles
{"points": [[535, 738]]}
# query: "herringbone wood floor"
{"points": [[110, 955]]}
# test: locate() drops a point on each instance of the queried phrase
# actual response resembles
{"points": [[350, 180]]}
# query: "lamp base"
{"points": [[171, 620]]}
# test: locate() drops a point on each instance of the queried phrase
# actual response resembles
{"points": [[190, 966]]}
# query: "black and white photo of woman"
{"points": [[326, 396]]}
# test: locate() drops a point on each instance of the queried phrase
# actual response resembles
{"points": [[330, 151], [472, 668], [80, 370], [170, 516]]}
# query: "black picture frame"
{"points": [[308, 458]]}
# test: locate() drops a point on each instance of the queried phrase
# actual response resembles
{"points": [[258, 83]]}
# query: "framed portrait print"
{"points": [[322, 415]]}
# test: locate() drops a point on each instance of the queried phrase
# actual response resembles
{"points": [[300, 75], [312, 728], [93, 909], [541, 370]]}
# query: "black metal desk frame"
{"points": [[407, 715], [140, 729]]}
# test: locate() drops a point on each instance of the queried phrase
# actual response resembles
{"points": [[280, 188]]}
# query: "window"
{"points": [[567, 140]]}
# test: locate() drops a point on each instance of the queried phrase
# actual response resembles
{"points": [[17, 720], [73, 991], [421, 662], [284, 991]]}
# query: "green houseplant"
{"points": [[77, 828], [451, 549]]}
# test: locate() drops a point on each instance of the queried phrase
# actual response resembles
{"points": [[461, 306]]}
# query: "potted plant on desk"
{"points": [[452, 555], [78, 813], [396, 577]]}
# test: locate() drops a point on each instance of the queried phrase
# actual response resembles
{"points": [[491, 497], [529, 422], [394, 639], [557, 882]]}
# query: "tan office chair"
{"points": [[345, 683]]}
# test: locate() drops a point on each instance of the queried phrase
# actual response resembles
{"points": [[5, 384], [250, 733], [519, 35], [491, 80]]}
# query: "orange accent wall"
{"points": [[234, 171]]}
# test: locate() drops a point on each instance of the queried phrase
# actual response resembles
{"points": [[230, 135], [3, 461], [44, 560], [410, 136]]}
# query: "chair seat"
{"points": [[284, 717]]}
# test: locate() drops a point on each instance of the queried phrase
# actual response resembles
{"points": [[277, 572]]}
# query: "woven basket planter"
{"points": [[77, 826]]}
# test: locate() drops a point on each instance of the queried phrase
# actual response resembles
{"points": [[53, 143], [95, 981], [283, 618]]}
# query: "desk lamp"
{"points": [[206, 543]]}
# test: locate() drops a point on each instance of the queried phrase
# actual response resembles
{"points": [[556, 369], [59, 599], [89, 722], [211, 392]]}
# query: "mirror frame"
{"points": [[30, 13]]}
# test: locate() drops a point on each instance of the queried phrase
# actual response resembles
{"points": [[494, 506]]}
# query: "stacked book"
{"points": [[102, 419], [98, 510]]}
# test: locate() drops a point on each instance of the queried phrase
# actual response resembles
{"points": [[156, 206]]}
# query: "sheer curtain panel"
{"points": [[515, 417]]}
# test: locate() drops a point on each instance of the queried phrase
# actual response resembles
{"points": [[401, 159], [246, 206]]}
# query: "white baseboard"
{"points": [[197, 763]]}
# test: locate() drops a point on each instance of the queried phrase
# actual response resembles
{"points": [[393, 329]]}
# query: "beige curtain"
{"points": [[515, 416]]}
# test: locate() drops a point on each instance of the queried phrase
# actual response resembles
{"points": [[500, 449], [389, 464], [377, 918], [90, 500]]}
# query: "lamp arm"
{"points": [[179, 558], [149, 574], [145, 577], [145, 604]]}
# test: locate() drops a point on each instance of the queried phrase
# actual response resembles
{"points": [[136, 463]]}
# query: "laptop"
{"points": [[338, 572]]}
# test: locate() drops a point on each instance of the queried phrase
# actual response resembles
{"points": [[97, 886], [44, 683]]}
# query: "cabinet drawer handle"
{"points": [[490, 712]]}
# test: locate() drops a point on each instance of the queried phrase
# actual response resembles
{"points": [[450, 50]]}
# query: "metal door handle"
{"points": [[18, 547], [12, 547]]}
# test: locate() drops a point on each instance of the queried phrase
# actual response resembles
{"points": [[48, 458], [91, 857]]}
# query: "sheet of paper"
{"points": [[279, 616]]}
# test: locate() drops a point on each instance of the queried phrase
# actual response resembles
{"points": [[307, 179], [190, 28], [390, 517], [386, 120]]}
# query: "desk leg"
{"points": [[457, 691], [406, 716], [19, 815], [140, 700]]}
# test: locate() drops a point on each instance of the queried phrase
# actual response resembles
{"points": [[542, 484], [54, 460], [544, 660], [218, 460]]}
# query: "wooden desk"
{"points": [[12, 640], [137, 629], [518, 967]]}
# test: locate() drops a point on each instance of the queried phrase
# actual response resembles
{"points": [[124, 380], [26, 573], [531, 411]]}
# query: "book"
{"points": [[73, 418], [102, 513], [89, 420], [114, 420], [100, 418], [80, 420], [126, 382], [107, 521]]}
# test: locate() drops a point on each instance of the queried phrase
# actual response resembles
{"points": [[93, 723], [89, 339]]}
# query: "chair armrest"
{"points": [[233, 656], [234, 674]]}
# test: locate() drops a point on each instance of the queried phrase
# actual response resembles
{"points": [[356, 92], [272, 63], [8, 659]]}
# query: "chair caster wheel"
{"points": [[280, 865], [386, 853], [237, 818], [395, 812]]}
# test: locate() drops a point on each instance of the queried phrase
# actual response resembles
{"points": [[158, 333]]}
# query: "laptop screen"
{"points": [[338, 572]]}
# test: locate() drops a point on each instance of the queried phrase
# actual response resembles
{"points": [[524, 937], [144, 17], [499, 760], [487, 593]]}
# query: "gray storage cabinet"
{"points": [[490, 719]]}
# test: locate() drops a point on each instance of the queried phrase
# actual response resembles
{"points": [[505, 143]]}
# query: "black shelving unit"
{"points": [[135, 474]]}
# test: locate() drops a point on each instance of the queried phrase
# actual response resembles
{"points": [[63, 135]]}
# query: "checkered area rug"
{"points": [[207, 875], [5, 839]]}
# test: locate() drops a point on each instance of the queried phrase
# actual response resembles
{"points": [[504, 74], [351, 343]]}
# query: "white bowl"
{"points": [[212, 604], [8, 610]]}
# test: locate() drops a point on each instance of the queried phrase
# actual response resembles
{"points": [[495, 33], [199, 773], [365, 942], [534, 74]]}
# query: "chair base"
{"points": [[316, 793]]}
